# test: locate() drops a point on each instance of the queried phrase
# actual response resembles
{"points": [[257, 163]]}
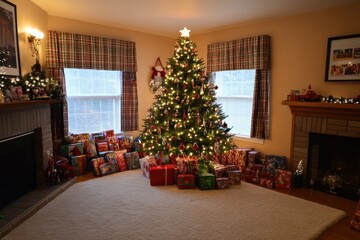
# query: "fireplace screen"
{"points": [[334, 165]]}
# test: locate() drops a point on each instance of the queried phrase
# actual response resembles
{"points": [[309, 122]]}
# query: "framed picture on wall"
{"points": [[9, 45], [343, 58]]}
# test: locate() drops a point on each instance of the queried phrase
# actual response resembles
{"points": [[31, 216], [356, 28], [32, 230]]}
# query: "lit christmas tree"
{"points": [[185, 119]]}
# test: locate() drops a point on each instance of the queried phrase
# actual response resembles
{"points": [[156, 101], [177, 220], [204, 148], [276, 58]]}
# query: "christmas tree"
{"points": [[185, 119]]}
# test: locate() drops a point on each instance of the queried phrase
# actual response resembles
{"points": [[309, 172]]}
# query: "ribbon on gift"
{"points": [[165, 175]]}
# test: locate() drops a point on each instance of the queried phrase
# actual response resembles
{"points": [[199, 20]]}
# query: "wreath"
{"points": [[157, 76]]}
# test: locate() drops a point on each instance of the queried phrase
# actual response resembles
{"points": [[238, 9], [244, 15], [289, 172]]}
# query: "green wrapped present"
{"points": [[207, 181]]}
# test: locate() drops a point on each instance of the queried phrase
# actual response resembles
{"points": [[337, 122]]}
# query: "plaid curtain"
{"points": [[247, 53], [70, 50]]}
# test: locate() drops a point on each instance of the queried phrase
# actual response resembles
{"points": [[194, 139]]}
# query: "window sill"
{"points": [[248, 139]]}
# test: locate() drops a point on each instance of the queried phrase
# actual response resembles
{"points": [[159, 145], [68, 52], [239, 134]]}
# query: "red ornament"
{"points": [[216, 87], [195, 147], [196, 96], [182, 147]]}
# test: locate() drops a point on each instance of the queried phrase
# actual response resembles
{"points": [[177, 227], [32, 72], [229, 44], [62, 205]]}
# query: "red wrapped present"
{"points": [[121, 160], [186, 181], [283, 179], [102, 146], [222, 183], [187, 165], [355, 221], [162, 175], [95, 166], [267, 180], [238, 156], [79, 164], [234, 177], [232, 167], [109, 133]]}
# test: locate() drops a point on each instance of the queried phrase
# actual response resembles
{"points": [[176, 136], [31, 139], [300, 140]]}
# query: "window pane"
{"points": [[93, 98], [235, 93]]}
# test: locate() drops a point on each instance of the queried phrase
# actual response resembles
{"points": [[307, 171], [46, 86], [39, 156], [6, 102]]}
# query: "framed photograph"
{"points": [[343, 58], [9, 45]]}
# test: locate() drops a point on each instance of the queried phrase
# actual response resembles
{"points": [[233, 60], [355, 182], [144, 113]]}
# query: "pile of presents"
{"points": [[105, 153], [240, 164], [96, 152]]}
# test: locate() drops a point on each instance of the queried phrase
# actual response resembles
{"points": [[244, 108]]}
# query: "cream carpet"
{"points": [[125, 206]]}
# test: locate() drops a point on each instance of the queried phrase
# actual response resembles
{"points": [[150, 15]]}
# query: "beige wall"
{"points": [[298, 56], [298, 59], [148, 47]]}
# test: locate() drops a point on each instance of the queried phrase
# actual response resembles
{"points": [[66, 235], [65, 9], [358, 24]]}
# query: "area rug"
{"points": [[125, 206]]}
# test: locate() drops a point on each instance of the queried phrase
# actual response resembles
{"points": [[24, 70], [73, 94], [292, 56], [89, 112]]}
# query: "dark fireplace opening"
{"points": [[334, 165], [19, 159]]}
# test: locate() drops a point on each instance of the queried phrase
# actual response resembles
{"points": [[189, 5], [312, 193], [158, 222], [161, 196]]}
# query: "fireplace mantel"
{"points": [[325, 110], [26, 104]]}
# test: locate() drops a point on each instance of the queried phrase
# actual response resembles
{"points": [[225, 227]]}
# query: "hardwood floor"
{"points": [[339, 231]]}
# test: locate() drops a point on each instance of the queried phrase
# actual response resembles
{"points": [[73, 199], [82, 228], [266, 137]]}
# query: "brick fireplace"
{"points": [[317, 117], [23, 117]]}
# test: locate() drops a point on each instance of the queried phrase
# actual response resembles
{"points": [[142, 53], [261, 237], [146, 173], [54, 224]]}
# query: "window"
{"points": [[235, 93], [93, 98]]}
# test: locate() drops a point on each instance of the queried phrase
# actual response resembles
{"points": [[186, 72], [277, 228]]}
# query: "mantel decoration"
{"points": [[32, 86], [309, 95], [343, 58]]}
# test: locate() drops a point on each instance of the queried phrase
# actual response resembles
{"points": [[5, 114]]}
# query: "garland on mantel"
{"points": [[341, 100]]}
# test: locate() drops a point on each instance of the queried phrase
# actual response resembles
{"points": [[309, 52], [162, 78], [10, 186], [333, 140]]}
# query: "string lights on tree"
{"points": [[185, 119]]}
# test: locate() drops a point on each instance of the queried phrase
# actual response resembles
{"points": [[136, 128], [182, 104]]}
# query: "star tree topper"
{"points": [[185, 32]]}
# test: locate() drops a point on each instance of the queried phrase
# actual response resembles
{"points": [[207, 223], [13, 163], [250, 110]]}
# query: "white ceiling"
{"points": [[167, 17]]}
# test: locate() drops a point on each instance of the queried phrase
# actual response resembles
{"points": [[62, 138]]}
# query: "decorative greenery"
{"points": [[341, 100]]}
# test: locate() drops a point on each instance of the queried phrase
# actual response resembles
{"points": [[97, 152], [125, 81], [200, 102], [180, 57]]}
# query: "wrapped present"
{"points": [[119, 155], [207, 181], [232, 167], [98, 137], [125, 142], [95, 166], [218, 169], [283, 179], [102, 146], [276, 161], [266, 180], [145, 164], [252, 178], [186, 181], [162, 175], [187, 165], [234, 177], [79, 164], [108, 134], [238, 156], [355, 220], [72, 149], [90, 148], [110, 157], [253, 158], [108, 168], [132, 160], [113, 144], [222, 183]]}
